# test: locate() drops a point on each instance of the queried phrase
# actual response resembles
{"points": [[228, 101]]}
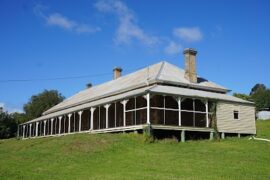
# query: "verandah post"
{"points": [[148, 108], [37, 128], [69, 117], [23, 131], [52, 125], [80, 120], [107, 115], [30, 131], [179, 112], [207, 118], [124, 111], [59, 124], [44, 129], [92, 118]]}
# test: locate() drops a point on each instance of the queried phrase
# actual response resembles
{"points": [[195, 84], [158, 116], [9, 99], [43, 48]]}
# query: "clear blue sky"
{"points": [[54, 39]]}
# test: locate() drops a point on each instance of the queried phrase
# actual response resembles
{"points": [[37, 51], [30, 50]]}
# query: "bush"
{"points": [[148, 134]]}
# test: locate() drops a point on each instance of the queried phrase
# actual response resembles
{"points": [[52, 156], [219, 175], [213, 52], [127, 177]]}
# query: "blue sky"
{"points": [[44, 40]]}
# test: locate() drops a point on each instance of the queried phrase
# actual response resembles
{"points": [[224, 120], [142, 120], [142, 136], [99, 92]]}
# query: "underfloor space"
{"points": [[176, 134]]}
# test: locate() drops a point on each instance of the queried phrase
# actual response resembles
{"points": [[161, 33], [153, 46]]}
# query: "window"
{"points": [[157, 101], [136, 111], [164, 110], [236, 114], [187, 104]]}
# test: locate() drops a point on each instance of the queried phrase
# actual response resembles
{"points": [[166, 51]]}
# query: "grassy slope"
{"points": [[85, 156]]}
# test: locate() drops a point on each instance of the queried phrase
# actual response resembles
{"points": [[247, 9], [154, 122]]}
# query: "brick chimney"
{"points": [[117, 72], [190, 64]]}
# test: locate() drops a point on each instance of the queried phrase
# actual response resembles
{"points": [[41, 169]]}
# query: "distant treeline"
{"points": [[34, 108]]}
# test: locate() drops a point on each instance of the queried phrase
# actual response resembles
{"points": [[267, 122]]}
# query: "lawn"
{"points": [[263, 129], [127, 156]]}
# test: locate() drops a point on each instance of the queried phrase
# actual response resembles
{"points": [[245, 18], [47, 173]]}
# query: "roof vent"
{"points": [[190, 64], [117, 72]]}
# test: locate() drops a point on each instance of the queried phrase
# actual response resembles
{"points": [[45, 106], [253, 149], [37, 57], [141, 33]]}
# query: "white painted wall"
{"points": [[226, 122]]}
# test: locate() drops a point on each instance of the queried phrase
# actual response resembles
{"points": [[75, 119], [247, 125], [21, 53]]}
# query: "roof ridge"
{"points": [[160, 70]]}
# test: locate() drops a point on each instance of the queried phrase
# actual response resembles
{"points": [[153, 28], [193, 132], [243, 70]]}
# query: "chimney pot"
{"points": [[190, 64], [117, 72], [190, 51]]}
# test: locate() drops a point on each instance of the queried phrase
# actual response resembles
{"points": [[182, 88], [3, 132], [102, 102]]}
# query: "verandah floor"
{"points": [[135, 128]]}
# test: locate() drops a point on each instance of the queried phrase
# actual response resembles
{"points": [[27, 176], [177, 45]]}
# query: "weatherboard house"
{"points": [[161, 96]]}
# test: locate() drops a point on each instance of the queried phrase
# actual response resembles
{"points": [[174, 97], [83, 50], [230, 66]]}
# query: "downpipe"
{"points": [[259, 139]]}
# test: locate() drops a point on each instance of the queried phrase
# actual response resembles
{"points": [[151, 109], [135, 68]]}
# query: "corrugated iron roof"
{"points": [[162, 72], [99, 102]]}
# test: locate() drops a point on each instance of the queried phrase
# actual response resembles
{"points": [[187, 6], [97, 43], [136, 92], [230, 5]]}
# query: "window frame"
{"points": [[236, 114]]}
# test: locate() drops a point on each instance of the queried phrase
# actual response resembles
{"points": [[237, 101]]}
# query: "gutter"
{"points": [[194, 86]]}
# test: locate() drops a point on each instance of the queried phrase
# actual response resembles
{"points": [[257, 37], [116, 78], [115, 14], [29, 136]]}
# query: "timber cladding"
{"points": [[236, 118]]}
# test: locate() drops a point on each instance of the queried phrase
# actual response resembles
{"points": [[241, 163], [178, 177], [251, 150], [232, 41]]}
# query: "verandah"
{"points": [[153, 109]]}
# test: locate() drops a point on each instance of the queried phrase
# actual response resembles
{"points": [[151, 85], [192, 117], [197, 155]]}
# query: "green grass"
{"points": [[263, 128], [126, 156]]}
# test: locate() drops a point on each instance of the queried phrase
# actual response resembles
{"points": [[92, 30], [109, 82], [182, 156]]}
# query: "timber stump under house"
{"points": [[169, 99]]}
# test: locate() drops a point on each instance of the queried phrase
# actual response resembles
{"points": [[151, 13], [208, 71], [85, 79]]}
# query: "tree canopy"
{"points": [[261, 98], [242, 96], [8, 125], [42, 102], [259, 94], [257, 88]]}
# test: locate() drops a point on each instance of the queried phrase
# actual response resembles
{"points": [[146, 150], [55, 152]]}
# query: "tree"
{"points": [[41, 102], [258, 87], [262, 99], [8, 125], [20, 117], [259, 94], [213, 120], [242, 96], [33, 109]]}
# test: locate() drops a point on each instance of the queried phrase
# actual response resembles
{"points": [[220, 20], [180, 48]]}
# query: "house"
{"points": [[162, 96], [263, 114]]}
